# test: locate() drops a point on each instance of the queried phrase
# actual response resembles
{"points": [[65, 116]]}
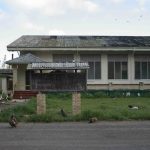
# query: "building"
{"points": [[115, 62], [5, 80]]}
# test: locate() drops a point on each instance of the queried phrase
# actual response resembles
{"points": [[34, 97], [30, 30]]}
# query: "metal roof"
{"points": [[38, 41], [25, 59], [5, 71], [60, 66]]}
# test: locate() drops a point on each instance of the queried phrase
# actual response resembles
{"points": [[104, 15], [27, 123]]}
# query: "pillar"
{"points": [[76, 103], [4, 85], [104, 68], [131, 67], [41, 103]]}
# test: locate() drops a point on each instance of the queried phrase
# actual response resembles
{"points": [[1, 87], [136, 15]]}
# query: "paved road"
{"points": [[76, 136]]}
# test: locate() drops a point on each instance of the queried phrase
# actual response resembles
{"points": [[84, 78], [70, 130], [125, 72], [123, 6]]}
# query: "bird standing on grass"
{"points": [[63, 113]]}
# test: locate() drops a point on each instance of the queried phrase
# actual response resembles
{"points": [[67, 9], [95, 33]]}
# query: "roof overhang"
{"points": [[58, 66], [24, 59], [79, 49]]}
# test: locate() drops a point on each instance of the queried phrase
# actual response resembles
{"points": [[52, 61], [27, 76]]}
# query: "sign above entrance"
{"points": [[62, 66]]}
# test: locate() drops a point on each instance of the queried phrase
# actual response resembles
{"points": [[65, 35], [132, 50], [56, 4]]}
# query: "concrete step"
{"points": [[24, 94]]}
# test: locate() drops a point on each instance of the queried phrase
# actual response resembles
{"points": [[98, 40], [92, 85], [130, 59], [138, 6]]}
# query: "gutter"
{"points": [[79, 49]]}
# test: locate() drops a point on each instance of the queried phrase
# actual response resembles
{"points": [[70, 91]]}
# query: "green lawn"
{"points": [[102, 108]]}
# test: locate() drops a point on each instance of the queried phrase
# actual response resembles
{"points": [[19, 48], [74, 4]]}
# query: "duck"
{"points": [[13, 121]]}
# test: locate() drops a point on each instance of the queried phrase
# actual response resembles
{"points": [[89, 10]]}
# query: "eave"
{"points": [[79, 49]]}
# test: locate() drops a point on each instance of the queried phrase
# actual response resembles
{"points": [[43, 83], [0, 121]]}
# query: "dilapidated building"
{"points": [[108, 62], [6, 80]]}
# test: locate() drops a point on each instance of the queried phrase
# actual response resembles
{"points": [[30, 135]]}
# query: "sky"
{"points": [[71, 17]]}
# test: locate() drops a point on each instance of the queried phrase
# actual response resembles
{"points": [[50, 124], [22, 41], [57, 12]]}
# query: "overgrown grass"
{"points": [[102, 108], [21, 111]]}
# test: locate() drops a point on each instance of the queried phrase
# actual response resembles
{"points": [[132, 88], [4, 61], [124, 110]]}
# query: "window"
{"points": [[94, 71], [91, 70], [111, 70], [117, 67], [142, 66], [137, 70], [117, 70], [142, 70], [97, 70], [148, 70], [124, 70]]}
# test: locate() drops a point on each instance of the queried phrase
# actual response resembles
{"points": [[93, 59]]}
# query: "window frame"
{"points": [[92, 58], [121, 69], [140, 68]]}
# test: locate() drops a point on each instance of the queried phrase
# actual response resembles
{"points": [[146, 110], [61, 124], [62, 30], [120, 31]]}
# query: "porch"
{"points": [[32, 74]]}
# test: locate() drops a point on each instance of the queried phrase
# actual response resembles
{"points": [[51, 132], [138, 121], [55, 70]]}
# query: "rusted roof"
{"points": [[59, 66], [5, 71], [25, 59], [35, 41]]}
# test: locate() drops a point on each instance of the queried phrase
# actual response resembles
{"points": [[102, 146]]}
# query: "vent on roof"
{"points": [[49, 38], [83, 37], [53, 37]]}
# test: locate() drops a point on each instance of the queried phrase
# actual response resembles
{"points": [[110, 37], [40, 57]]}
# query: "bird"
{"points": [[13, 121], [93, 119], [63, 113], [133, 107]]}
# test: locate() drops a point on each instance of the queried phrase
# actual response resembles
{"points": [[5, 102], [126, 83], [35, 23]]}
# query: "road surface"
{"points": [[76, 136]]}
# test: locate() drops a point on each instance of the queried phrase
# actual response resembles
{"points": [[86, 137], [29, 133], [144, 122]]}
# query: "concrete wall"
{"points": [[46, 56]]}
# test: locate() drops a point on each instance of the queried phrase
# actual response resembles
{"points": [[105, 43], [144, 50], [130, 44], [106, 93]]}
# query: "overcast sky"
{"points": [[71, 17]]}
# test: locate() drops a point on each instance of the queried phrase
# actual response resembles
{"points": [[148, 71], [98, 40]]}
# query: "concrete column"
{"points": [[4, 85], [76, 103], [41, 103], [104, 68], [15, 77], [21, 77], [131, 67]]}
